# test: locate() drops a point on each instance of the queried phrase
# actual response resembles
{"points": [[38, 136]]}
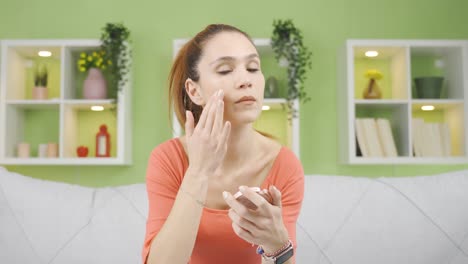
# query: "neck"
{"points": [[241, 144]]}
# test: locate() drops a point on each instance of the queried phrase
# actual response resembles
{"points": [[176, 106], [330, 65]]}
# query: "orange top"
{"points": [[216, 242]]}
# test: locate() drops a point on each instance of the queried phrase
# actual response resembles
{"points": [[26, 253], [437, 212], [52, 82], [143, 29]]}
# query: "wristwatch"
{"points": [[279, 258]]}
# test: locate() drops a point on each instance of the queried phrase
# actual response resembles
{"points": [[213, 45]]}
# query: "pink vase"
{"points": [[40, 93], [94, 86]]}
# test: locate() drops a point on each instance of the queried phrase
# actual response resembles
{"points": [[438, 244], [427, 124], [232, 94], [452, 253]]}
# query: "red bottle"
{"points": [[102, 142]]}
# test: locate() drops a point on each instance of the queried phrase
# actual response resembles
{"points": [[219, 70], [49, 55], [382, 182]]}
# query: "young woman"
{"points": [[216, 89]]}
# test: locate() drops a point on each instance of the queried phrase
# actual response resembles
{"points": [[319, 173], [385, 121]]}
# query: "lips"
{"points": [[246, 99]]}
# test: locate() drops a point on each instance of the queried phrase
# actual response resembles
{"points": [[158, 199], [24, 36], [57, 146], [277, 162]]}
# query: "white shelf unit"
{"points": [[401, 61], [291, 127], [62, 118]]}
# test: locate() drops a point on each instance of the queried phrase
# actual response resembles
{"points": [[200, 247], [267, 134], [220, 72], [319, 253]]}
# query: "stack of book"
{"points": [[375, 137], [430, 139]]}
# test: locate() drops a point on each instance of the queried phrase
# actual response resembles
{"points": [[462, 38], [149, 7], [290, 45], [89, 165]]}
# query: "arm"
{"points": [[206, 148], [175, 241]]}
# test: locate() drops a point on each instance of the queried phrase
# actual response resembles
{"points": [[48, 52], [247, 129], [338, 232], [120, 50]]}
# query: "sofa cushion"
{"points": [[51, 222], [385, 220], [343, 220]]}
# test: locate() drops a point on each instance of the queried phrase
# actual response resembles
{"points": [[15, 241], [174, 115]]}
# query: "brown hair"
{"points": [[186, 66]]}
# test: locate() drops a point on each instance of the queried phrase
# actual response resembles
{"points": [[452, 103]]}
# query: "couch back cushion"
{"points": [[50, 222]]}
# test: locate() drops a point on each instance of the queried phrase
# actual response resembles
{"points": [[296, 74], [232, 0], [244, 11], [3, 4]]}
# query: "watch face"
{"points": [[285, 256]]}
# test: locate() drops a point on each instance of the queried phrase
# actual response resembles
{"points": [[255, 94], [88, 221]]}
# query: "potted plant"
{"points": [[291, 52], [115, 44], [95, 85], [40, 83]]}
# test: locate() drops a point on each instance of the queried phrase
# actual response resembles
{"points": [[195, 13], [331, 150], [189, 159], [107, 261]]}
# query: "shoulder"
{"points": [[168, 156], [168, 148], [287, 159], [287, 170]]}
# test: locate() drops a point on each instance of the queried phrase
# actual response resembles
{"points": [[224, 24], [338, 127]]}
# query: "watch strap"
{"points": [[285, 256], [279, 257]]}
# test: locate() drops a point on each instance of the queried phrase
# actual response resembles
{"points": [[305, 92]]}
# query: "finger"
{"points": [[218, 122], [276, 195], [210, 117], [239, 208], [254, 197], [204, 114], [225, 134], [189, 123], [242, 222], [242, 233]]}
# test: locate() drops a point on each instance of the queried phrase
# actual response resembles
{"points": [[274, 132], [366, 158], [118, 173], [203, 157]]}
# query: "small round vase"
{"points": [[95, 86], [40, 93]]}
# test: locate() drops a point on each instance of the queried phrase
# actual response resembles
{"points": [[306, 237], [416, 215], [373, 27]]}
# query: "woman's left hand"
{"points": [[263, 226]]}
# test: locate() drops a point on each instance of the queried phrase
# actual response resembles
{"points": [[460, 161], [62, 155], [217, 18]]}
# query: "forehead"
{"points": [[227, 44]]}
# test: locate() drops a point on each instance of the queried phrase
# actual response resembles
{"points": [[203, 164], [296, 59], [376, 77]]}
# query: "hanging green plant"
{"points": [[115, 43], [290, 51]]}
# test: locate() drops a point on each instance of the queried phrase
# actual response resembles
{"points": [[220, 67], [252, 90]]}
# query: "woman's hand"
{"points": [[263, 226], [207, 142]]}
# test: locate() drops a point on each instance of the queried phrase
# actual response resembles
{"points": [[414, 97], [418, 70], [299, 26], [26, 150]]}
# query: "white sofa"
{"points": [[344, 220]]}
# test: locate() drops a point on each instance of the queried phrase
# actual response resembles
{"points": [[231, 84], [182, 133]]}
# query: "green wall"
{"points": [[154, 24]]}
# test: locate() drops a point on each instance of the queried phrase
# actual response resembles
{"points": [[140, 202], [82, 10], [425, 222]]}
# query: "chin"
{"points": [[246, 117]]}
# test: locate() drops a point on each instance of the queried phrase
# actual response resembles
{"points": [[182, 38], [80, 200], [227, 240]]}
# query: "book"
{"points": [[386, 138], [446, 140], [417, 137], [361, 137], [372, 138]]}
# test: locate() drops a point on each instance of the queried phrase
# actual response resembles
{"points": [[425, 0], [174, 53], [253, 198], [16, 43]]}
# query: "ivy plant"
{"points": [[115, 43], [290, 51]]}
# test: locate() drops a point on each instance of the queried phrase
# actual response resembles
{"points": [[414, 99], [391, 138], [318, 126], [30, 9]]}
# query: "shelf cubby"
{"points": [[400, 61]]}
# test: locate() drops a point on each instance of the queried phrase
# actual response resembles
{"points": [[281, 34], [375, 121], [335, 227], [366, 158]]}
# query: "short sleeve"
{"points": [[163, 178]]}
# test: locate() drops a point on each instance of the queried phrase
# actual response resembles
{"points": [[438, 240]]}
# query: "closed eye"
{"points": [[252, 70], [224, 72]]}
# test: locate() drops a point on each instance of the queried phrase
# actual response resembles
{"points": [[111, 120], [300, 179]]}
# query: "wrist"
{"points": [[281, 256], [273, 246], [196, 174]]}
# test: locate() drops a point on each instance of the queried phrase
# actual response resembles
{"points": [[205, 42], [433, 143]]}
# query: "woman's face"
{"points": [[231, 62]]}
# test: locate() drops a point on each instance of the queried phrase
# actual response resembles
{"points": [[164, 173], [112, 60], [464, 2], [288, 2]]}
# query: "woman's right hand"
{"points": [[207, 142]]}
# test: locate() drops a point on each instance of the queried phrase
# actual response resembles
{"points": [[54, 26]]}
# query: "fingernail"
{"points": [[220, 93], [274, 187], [225, 194], [242, 188]]}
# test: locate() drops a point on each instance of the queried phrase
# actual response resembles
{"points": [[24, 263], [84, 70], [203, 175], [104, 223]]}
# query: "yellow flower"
{"points": [[373, 74], [109, 62], [91, 59]]}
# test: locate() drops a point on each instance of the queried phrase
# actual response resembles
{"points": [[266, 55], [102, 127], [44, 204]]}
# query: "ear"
{"points": [[194, 92]]}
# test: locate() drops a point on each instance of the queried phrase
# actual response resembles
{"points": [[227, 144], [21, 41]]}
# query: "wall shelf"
{"points": [[64, 117], [401, 61]]}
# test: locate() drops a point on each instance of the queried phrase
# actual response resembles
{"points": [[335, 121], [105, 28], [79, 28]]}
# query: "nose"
{"points": [[245, 84]]}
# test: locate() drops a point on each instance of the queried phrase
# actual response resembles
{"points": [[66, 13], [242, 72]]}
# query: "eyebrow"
{"points": [[230, 58]]}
